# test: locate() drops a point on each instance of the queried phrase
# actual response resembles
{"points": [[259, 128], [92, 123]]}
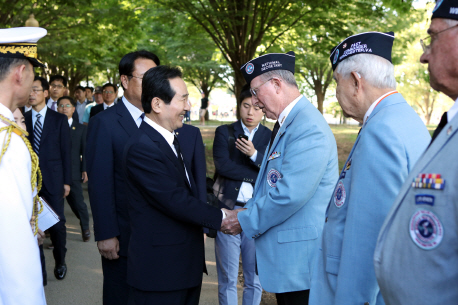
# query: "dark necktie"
{"points": [[441, 125], [274, 133], [143, 116], [180, 156], [37, 130]]}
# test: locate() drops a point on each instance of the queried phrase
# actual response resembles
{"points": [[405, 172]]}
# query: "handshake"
{"points": [[230, 224]]}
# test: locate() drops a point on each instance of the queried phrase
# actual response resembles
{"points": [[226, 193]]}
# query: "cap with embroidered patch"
{"points": [[375, 43], [447, 9], [21, 43], [266, 63]]}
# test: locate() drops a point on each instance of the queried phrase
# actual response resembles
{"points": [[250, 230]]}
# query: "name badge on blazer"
{"points": [[429, 181], [274, 155]]}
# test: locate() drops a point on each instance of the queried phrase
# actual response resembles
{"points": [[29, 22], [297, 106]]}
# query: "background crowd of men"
{"points": [[383, 231]]}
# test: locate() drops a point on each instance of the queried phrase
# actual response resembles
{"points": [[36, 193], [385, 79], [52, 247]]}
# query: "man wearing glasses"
{"points": [[285, 217], [109, 94], [416, 257], [57, 86]]}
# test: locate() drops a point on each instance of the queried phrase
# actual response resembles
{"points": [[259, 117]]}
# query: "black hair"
{"points": [[90, 88], [156, 83], [72, 101], [6, 64], [245, 93], [61, 78], [44, 82], [109, 85], [126, 65], [80, 88]]}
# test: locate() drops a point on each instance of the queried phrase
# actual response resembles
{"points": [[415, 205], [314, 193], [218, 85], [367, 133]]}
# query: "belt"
{"points": [[240, 204]]}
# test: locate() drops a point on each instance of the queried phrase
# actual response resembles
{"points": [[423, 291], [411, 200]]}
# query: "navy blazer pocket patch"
{"points": [[273, 176]]}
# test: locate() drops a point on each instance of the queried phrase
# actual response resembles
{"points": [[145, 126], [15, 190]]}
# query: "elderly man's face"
{"points": [[264, 97], [442, 57], [345, 93]]}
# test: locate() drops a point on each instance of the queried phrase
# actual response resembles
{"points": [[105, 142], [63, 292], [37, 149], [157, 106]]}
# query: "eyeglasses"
{"points": [[36, 90], [135, 76], [108, 92], [57, 86], [253, 91], [65, 106], [425, 46]]}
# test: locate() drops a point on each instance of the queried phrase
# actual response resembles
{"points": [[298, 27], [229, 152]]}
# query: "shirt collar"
{"points": [[70, 122], [452, 111], [134, 111], [372, 107], [245, 129], [287, 110], [80, 104], [168, 136], [105, 106], [6, 112], [42, 112]]}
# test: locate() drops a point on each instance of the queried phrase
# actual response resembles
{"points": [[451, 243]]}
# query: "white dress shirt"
{"points": [[134, 111], [27, 108], [21, 281], [80, 107], [452, 111], [246, 189], [42, 119], [105, 106], [70, 122], [287, 110]]}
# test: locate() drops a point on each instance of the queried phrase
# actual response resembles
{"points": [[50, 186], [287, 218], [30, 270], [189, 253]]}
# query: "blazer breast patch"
{"points": [[272, 177]]}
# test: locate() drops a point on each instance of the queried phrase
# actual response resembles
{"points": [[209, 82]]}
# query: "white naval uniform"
{"points": [[21, 281]]}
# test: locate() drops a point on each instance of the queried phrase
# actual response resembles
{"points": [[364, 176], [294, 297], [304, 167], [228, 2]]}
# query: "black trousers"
{"points": [[76, 202], [293, 298], [43, 266], [189, 296], [115, 288], [58, 232]]}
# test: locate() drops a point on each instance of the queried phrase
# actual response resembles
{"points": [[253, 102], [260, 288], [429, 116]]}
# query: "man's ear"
{"points": [[125, 81], [357, 80], [46, 93], [156, 105], [19, 73], [277, 84]]}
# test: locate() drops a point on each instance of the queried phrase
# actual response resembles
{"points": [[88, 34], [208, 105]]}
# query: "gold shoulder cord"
{"points": [[36, 173]]}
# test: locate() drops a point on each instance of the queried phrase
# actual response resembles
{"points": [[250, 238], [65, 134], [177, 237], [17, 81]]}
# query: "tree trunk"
{"points": [[320, 100]]}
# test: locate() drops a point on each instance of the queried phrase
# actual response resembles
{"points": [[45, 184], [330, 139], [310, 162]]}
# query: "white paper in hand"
{"points": [[47, 218]]}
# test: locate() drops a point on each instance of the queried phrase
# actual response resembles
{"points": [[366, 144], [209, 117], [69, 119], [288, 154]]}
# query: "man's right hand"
{"points": [[109, 248]]}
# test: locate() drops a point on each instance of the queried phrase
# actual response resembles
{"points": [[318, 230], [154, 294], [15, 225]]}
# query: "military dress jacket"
{"points": [[390, 142], [286, 214], [416, 258]]}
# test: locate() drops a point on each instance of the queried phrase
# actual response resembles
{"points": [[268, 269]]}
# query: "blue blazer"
{"points": [[286, 214], [108, 133], [388, 146], [78, 135], [55, 153], [166, 216], [240, 169]]}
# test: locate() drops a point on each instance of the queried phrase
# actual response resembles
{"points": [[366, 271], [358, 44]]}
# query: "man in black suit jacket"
{"points": [[53, 147], [67, 106], [237, 164], [109, 93], [108, 133], [166, 250]]}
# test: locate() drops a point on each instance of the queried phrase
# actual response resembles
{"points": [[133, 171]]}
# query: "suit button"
{"points": [[236, 188]]}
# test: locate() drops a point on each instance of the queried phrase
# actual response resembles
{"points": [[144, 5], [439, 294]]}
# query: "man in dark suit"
{"points": [[108, 132], [237, 164], [50, 138], [166, 251], [67, 106], [109, 93]]}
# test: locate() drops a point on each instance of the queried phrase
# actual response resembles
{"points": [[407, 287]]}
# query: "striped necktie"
{"points": [[37, 130]]}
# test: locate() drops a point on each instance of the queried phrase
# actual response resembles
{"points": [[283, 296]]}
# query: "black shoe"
{"points": [[60, 271]]}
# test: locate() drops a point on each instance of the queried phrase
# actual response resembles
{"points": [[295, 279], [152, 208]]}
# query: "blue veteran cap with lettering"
{"points": [[266, 63], [21, 43], [447, 9], [375, 43]]}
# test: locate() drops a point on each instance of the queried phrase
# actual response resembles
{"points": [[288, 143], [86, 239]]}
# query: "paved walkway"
{"points": [[83, 283]]}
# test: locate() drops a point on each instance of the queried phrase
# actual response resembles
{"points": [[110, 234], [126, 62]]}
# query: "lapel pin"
{"points": [[73, 128]]}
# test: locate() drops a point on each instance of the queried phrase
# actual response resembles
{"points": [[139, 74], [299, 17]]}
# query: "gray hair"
{"points": [[376, 70], [451, 22], [7, 64], [285, 75]]}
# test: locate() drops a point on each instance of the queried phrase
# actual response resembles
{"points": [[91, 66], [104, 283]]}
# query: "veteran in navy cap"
{"points": [[286, 214], [416, 258], [389, 143], [21, 280]]}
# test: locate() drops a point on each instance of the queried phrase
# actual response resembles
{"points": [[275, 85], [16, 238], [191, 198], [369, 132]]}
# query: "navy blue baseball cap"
{"points": [[447, 9], [266, 63], [375, 43]]}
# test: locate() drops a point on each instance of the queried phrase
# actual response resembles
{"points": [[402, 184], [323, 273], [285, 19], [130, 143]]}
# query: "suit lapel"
{"points": [[165, 148], [126, 120], [28, 124], [47, 123]]}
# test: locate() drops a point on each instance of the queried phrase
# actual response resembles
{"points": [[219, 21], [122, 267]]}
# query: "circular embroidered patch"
{"points": [[249, 68], [336, 57], [340, 195], [426, 230], [272, 177]]}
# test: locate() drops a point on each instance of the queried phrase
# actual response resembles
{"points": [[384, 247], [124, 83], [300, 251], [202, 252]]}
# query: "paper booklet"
{"points": [[47, 218]]}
